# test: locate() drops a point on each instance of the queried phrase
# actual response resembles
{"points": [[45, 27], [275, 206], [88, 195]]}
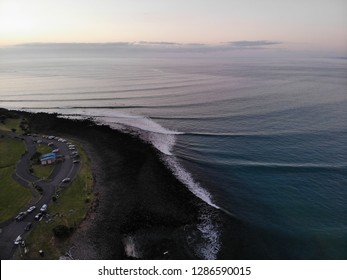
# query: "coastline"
{"points": [[142, 211], [137, 197]]}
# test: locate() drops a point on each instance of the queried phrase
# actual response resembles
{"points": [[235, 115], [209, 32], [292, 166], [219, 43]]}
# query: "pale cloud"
{"points": [[308, 25], [253, 44]]}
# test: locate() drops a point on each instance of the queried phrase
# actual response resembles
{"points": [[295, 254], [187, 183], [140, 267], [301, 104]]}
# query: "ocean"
{"points": [[261, 138]]}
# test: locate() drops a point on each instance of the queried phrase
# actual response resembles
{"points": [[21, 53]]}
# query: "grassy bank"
{"points": [[69, 210], [12, 196], [11, 151]]}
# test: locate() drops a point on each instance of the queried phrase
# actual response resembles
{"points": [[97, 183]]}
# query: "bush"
{"points": [[36, 158], [61, 231]]}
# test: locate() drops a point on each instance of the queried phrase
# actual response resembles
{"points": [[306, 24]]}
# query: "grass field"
{"points": [[43, 149], [69, 210], [11, 151], [12, 196], [42, 171], [10, 124]]}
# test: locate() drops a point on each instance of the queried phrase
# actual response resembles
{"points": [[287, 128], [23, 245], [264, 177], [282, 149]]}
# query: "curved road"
{"points": [[10, 229]]}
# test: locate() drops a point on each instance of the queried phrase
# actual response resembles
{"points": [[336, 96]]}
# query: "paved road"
{"points": [[9, 230]]}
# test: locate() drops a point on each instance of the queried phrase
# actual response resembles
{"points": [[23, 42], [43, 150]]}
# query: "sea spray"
{"points": [[130, 247], [210, 233]]}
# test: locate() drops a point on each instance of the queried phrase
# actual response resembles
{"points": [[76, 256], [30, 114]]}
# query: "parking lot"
{"points": [[17, 229]]}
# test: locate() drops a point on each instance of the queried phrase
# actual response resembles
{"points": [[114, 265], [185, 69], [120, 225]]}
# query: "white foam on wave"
{"points": [[130, 247], [186, 178], [210, 233], [146, 129], [161, 138]]}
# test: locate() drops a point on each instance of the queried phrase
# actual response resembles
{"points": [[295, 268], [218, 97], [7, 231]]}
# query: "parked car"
{"points": [[18, 240], [76, 161], [31, 209], [50, 144], [43, 208], [21, 216], [38, 216], [55, 151], [28, 226], [66, 180]]}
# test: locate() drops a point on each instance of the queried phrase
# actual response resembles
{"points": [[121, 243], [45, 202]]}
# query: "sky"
{"points": [[295, 24]]}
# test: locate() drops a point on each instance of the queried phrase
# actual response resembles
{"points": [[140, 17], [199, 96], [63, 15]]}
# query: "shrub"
{"points": [[61, 231]]}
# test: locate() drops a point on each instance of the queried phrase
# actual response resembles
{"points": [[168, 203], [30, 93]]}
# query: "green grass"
{"points": [[43, 171], [11, 151], [10, 124], [13, 196], [69, 210], [43, 149]]}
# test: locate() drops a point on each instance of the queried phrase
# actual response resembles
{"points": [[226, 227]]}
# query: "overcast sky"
{"points": [[296, 24]]}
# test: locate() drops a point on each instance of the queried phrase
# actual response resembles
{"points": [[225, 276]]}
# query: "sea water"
{"points": [[262, 139]]}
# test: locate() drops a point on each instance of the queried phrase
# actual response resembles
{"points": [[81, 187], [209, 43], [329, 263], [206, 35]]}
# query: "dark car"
{"points": [[21, 216], [28, 226]]}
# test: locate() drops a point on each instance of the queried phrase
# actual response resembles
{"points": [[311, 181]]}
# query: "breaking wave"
{"points": [[151, 132]]}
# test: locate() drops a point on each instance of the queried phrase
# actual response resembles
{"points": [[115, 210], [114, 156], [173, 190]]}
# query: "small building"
{"points": [[48, 158]]}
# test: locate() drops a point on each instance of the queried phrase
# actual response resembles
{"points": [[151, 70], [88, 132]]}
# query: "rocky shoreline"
{"points": [[137, 197]]}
